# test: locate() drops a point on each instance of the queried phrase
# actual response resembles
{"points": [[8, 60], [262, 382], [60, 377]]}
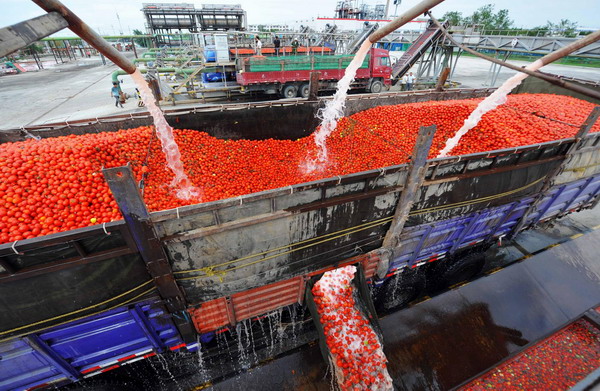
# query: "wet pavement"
{"points": [[443, 342]]}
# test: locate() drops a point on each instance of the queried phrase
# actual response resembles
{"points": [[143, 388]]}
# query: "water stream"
{"points": [[184, 189], [496, 99], [334, 109]]}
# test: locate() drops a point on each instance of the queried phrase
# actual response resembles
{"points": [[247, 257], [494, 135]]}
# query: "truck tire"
{"points": [[289, 91], [457, 270], [304, 90], [376, 87], [401, 289]]}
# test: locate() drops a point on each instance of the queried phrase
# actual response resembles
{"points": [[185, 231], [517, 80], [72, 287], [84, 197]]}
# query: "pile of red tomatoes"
{"points": [[56, 184], [356, 353]]}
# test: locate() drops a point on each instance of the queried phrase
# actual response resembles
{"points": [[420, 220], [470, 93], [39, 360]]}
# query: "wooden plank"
{"points": [[416, 175], [20, 35]]}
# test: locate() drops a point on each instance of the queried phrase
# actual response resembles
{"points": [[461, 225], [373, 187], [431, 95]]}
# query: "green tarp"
{"points": [[301, 63]]}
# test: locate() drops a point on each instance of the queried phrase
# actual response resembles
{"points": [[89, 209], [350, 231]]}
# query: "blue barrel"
{"points": [[210, 55], [211, 77]]}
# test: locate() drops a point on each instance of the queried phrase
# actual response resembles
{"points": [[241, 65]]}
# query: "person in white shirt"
{"points": [[403, 82], [409, 81], [257, 46]]}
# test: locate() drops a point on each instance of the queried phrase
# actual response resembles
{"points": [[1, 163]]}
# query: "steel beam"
{"points": [[314, 85], [80, 28], [18, 36], [124, 188]]}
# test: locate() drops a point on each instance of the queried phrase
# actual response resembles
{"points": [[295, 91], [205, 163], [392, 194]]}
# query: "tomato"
{"points": [[56, 184], [354, 346]]}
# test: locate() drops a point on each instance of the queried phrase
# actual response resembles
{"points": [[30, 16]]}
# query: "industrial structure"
{"points": [[166, 18], [351, 9]]}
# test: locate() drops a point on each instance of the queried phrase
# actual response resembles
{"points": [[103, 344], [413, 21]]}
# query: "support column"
{"points": [[549, 180], [417, 167], [124, 188], [314, 85], [442, 79]]}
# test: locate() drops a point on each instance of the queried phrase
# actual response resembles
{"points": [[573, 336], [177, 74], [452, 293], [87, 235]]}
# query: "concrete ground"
{"points": [[73, 90], [81, 89]]}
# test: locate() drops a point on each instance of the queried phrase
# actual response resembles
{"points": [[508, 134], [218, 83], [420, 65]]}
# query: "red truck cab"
{"points": [[380, 65]]}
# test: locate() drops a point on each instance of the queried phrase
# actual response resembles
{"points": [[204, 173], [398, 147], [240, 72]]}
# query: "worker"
{"points": [[258, 46], [295, 45], [277, 44], [115, 92], [139, 96], [403, 82], [410, 81]]}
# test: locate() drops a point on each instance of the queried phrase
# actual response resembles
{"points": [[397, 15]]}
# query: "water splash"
{"points": [[165, 365], [183, 185], [496, 99], [243, 358], [334, 110], [202, 368]]}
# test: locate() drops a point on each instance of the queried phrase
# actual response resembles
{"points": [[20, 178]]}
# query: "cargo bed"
{"points": [[231, 260]]}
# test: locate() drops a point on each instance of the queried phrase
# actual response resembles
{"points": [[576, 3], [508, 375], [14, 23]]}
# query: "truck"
{"points": [[289, 76], [215, 276]]}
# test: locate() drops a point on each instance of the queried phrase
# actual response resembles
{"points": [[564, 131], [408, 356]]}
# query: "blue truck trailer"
{"points": [[80, 303]]}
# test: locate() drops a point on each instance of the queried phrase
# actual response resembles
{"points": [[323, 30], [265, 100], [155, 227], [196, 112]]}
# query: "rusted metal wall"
{"points": [[289, 119], [224, 247], [533, 85], [227, 246]]}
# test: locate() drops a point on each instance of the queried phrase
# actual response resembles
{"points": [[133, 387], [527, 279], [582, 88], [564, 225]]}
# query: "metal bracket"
{"points": [[124, 188]]}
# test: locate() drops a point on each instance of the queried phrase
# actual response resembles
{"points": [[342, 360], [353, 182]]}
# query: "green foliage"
{"points": [[565, 28], [35, 48], [455, 18], [483, 16], [488, 19]]}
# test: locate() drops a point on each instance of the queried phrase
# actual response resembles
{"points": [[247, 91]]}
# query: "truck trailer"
{"points": [[289, 76]]}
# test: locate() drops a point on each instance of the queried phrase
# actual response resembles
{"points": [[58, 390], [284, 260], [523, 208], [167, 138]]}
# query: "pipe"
{"points": [[546, 60], [148, 59], [80, 28], [406, 17], [120, 72]]}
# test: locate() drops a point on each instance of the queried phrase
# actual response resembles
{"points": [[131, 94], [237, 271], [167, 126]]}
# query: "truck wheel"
{"points": [[402, 289], [376, 87], [289, 91], [304, 90]]}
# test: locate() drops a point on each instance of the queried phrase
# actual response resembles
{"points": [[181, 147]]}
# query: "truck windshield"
{"points": [[384, 61]]}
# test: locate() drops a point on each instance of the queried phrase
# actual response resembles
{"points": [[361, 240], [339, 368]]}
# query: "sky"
{"points": [[101, 15]]}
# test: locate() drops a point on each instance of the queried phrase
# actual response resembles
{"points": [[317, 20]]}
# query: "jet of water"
{"points": [[496, 99], [334, 109], [183, 185]]}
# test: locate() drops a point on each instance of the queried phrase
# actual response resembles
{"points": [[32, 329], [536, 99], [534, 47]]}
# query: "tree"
{"points": [[489, 20], [565, 28], [455, 18], [35, 48]]}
